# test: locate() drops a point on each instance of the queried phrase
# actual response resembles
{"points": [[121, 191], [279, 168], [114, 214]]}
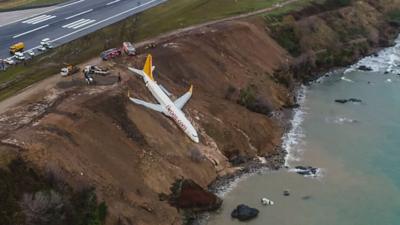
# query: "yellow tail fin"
{"points": [[148, 67]]}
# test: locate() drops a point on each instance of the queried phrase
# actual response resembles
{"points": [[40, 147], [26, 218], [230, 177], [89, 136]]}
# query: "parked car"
{"points": [[31, 53], [46, 43], [19, 56], [111, 53], [9, 61]]}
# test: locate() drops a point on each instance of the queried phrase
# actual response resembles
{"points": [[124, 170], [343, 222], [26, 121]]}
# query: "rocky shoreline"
{"points": [[273, 162]]}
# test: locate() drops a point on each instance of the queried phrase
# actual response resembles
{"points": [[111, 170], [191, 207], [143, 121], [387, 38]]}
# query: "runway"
{"points": [[68, 21]]}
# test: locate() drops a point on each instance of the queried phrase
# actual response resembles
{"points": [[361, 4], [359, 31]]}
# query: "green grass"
{"points": [[6, 5], [183, 13], [394, 15], [169, 16], [295, 6]]}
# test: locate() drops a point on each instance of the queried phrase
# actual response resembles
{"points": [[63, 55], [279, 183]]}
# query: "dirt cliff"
{"points": [[95, 137], [243, 83]]}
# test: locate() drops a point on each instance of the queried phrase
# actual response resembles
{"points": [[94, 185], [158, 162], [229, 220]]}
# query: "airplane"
{"points": [[172, 109]]}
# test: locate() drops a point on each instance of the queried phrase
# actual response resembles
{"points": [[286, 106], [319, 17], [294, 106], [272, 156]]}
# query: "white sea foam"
{"points": [[340, 120], [346, 79], [387, 60], [292, 139], [221, 191]]}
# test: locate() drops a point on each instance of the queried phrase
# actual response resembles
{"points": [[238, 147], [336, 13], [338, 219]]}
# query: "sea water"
{"points": [[356, 145]]}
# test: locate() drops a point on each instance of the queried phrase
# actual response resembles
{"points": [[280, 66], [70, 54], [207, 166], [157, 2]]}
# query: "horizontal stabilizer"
{"points": [[155, 107], [181, 101], [140, 72], [137, 72]]}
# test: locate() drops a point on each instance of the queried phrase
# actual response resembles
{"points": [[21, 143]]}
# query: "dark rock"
{"points": [[343, 101], [286, 193], [244, 212], [186, 194], [306, 171], [364, 68], [292, 106], [262, 106], [301, 167], [237, 160], [386, 72], [355, 100]]}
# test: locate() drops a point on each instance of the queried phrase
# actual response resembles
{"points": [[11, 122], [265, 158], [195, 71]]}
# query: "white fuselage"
{"points": [[170, 110]]}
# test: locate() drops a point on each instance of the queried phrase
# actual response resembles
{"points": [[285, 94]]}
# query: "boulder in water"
{"points": [[306, 171], [343, 101], [244, 212], [355, 100], [364, 68], [286, 192]]}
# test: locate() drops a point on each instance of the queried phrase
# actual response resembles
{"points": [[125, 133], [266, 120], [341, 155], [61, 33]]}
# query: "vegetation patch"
{"points": [[248, 98], [286, 36], [27, 197], [394, 16]]}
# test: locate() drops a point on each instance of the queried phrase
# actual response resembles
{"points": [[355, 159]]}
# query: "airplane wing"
{"points": [[155, 107], [165, 90], [181, 101]]}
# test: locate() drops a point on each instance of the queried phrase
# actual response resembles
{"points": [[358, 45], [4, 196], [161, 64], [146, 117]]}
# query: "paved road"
{"points": [[68, 21]]}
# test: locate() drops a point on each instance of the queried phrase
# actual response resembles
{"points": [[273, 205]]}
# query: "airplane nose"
{"points": [[195, 139]]}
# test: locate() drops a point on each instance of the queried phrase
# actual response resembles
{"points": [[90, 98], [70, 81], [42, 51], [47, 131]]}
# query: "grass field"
{"points": [[6, 5], [169, 16], [183, 13]]}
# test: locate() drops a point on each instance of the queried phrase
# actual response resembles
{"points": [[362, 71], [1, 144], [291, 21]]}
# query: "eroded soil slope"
{"points": [[92, 135]]}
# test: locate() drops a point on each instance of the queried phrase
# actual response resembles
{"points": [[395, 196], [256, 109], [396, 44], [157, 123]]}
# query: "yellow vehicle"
{"points": [[17, 47], [68, 70]]}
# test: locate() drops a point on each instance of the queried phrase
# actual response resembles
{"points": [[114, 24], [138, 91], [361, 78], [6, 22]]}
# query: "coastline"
{"points": [[293, 132], [286, 120]]}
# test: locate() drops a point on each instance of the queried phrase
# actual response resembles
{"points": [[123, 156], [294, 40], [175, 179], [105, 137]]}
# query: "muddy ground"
{"points": [[93, 136]]}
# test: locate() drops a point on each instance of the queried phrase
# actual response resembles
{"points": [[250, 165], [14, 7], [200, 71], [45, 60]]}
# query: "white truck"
{"points": [[128, 48]]}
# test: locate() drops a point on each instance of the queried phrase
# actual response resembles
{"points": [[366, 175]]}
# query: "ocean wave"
{"points": [[292, 139], [386, 60]]}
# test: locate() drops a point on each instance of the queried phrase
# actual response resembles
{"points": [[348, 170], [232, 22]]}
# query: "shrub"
{"points": [[247, 96], [27, 197]]}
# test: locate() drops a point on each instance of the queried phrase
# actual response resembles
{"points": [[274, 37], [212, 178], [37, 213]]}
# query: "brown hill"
{"points": [[95, 137]]}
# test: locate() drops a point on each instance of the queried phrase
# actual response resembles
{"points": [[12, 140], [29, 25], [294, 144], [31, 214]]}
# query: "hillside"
{"points": [[94, 135], [244, 74]]}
